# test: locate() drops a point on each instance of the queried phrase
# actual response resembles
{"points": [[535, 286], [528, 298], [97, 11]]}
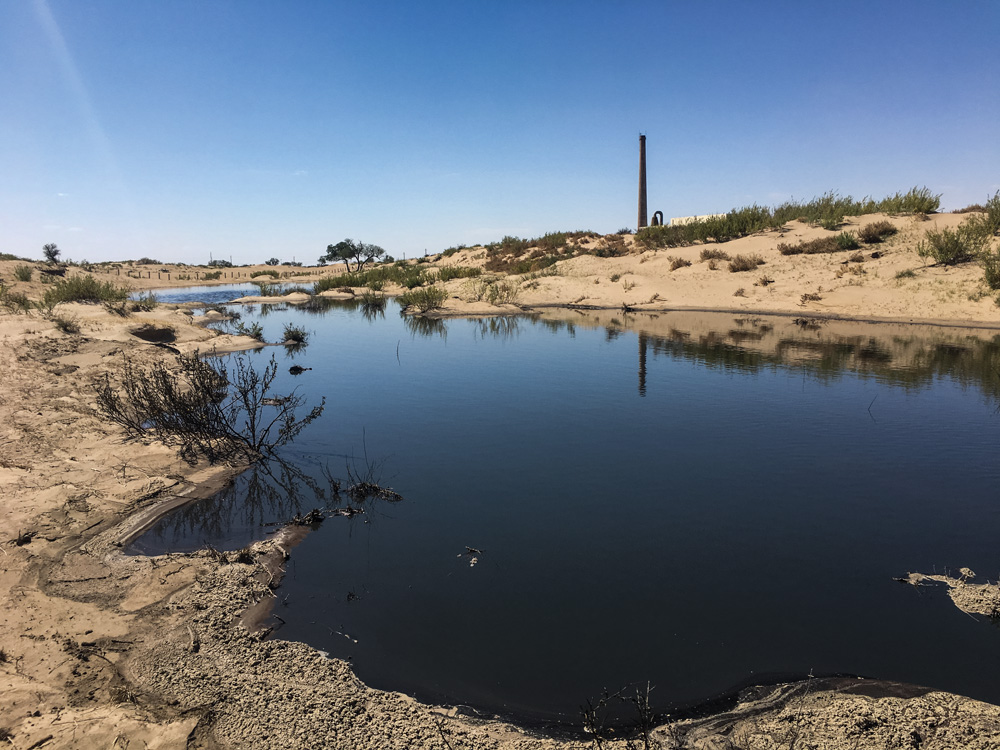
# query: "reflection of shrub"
{"points": [[204, 407], [425, 299]]}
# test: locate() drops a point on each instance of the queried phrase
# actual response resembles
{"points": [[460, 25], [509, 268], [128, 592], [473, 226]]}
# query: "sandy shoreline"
{"points": [[103, 650]]}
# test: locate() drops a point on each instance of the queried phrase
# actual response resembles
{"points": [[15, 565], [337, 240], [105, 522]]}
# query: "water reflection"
{"points": [[896, 354], [423, 327]]}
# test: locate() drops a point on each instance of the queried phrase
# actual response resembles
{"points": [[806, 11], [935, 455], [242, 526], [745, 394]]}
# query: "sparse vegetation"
{"points": [[764, 280], [908, 273], [676, 263], [268, 272], [23, 272], [741, 292], [204, 407], [827, 211], [809, 297], [14, 302], [212, 275]]}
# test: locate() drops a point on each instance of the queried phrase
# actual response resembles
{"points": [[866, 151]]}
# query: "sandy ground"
{"points": [[102, 650]]}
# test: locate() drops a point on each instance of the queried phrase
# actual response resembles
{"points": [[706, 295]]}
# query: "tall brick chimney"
{"points": [[642, 182]]}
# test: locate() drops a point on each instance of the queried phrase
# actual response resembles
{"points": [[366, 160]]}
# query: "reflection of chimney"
{"points": [[642, 182], [642, 364]]}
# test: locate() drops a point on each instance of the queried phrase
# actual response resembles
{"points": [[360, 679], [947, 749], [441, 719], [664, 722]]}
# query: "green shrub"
{"points": [[84, 289], [269, 272], [847, 241], [66, 324], [812, 247], [14, 302], [503, 292], [295, 334], [745, 263], [23, 272], [952, 246], [426, 299], [990, 261], [267, 289], [145, 302], [254, 330], [458, 272], [212, 275]]}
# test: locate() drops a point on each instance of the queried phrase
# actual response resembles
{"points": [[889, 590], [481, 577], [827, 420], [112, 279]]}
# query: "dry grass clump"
{"points": [[876, 232], [745, 263], [676, 263], [711, 253], [764, 280], [741, 292], [809, 297], [812, 247]]}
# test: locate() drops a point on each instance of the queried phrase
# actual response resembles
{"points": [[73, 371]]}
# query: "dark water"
{"points": [[697, 501]]}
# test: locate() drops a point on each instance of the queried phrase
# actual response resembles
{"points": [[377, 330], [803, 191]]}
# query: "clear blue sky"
{"points": [[176, 128]]}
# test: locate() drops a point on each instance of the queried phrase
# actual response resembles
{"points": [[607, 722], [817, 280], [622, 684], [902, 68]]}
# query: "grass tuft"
{"points": [[741, 263]]}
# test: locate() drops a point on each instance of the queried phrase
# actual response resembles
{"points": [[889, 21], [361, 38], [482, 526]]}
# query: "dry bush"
{"points": [[745, 263]]}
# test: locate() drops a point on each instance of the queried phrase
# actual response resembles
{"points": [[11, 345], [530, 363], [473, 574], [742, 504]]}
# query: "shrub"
{"points": [[145, 302], [990, 260], [847, 241], [458, 272], [711, 253], [272, 262], [254, 330], [14, 302], [425, 300], [812, 247], [66, 324], [84, 289], [876, 232], [952, 246], [741, 292], [204, 407], [295, 334], [23, 272], [745, 263], [219, 264], [148, 262], [212, 275], [676, 263], [908, 273], [503, 292], [268, 272], [615, 277], [267, 289], [764, 280], [809, 297]]}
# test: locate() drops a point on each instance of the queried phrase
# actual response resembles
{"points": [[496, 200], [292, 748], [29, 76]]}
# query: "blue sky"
{"points": [[175, 129]]}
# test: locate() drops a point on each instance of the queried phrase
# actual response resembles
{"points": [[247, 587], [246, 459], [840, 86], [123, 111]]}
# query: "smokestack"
{"points": [[642, 182]]}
